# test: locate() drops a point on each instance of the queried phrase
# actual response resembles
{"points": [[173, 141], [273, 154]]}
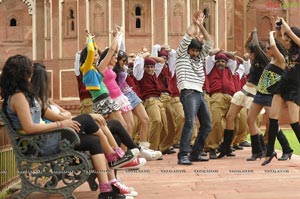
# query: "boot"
{"points": [[225, 148], [287, 151], [273, 131], [262, 144], [257, 151]]}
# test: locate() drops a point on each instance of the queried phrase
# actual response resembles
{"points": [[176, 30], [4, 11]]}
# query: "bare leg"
{"points": [[251, 119], [142, 115], [100, 165], [107, 148], [231, 115], [128, 117], [109, 136]]}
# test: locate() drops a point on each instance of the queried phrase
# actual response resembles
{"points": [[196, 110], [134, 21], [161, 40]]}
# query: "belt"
{"points": [[101, 97], [165, 93], [247, 93]]}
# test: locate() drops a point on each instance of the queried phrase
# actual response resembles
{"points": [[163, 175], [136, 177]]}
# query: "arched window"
{"points": [[138, 23], [71, 23], [206, 15], [72, 26], [13, 22], [138, 11], [71, 14], [138, 14]]}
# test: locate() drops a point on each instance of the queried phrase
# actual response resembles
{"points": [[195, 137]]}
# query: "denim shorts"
{"points": [[51, 145], [133, 99], [264, 100]]}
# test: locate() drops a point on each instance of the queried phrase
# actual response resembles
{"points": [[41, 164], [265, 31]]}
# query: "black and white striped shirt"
{"points": [[190, 72]]}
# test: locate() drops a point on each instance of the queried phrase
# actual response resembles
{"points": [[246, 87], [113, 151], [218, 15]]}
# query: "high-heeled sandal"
{"points": [[267, 161], [286, 156]]}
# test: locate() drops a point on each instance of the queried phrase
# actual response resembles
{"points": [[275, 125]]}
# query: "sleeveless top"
{"points": [[125, 88], [269, 79], [51, 145], [35, 113], [111, 84], [255, 72]]}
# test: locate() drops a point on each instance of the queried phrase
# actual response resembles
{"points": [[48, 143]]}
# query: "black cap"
{"points": [[195, 44]]}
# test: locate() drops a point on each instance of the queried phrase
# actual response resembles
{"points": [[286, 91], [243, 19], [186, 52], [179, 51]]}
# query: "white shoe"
{"points": [[147, 153]]}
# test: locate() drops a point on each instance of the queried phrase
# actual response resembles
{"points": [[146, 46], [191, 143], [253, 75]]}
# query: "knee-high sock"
{"points": [[285, 145], [255, 144], [296, 128], [273, 130], [262, 142]]}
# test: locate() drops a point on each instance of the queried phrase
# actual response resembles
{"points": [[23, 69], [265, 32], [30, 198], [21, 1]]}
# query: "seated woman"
{"points": [[106, 137], [25, 112]]}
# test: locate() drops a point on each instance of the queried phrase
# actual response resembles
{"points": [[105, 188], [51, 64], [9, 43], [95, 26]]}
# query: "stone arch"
{"points": [[265, 26], [28, 3]]}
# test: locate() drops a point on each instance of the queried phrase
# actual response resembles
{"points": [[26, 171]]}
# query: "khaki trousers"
{"points": [[86, 106], [219, 105], [158, 121], [241, 127]]}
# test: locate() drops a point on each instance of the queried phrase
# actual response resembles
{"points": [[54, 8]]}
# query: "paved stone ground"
{"points": [[227, 178]]}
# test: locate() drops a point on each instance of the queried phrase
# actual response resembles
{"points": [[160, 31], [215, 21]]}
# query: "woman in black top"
{"points": [[288, 91], [267, 84]]}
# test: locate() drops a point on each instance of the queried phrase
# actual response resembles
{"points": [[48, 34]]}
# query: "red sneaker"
{"points": [[135, 164], [123, 189]]}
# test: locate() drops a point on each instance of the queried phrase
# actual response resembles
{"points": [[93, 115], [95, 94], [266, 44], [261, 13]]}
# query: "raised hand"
{"points": [[198, 18], [88, 34], [284, 26], [117, 31]]}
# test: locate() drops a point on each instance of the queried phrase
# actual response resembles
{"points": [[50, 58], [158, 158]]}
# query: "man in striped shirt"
{"points": [[190, 80]]}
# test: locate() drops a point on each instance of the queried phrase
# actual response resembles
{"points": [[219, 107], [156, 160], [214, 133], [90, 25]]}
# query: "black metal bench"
{"points": [[59, 173]]}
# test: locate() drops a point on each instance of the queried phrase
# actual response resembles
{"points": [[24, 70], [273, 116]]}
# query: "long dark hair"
{"points": [[258, 59], [103, 54], [281, 48], [294, 49], [39, 81], [117, 68], [83, 55], [15, 78]]}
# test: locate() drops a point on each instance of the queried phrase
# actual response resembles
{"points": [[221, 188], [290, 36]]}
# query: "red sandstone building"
{"points": [[51, 31]]}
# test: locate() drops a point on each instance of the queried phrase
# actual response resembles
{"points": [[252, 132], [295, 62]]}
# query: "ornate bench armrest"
{"points": [[30, 145]]}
